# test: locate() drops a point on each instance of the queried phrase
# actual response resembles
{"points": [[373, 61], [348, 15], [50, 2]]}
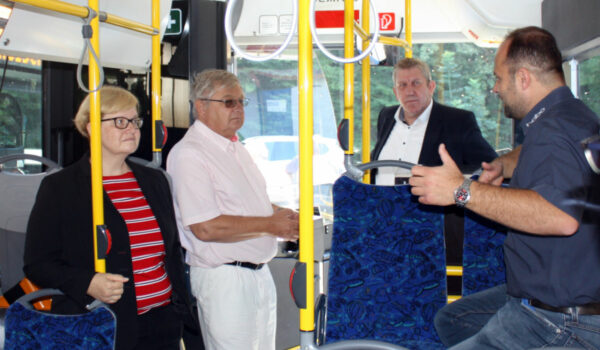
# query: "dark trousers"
{"points": [[160, 328]]}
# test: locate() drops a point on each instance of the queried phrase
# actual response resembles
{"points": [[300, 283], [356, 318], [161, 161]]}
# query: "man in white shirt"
{"points": [[226, 222], [413, 130]]}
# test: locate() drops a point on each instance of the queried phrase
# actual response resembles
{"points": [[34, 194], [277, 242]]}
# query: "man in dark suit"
{"points": [[413, 131]]}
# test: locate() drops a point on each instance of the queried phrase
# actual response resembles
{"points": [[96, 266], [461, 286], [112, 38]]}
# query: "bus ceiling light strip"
{"points": [[229, 33], [313, 29], [86, 32]]}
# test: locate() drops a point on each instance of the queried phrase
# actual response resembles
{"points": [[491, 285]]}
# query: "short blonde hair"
{"points": [[409, 63], [112, 99]]}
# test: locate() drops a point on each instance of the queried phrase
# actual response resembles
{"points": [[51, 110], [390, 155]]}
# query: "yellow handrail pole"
{"points": [[156, 89], [82, 12], [96, 138], [408, 30], [366, 93], [305, 131], [349, 72]]}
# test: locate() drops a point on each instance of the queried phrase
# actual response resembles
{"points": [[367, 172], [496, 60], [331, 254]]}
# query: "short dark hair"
{"points": [[535, 47]]}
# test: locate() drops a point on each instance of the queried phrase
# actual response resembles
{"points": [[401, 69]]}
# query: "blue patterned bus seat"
{"points": [[483, 257], [387, 274]]}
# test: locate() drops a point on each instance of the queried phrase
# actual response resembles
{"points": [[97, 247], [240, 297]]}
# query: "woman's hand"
{"points": [[107, 287]]}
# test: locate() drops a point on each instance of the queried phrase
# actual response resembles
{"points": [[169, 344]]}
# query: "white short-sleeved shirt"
{"points": [[215, 176]]}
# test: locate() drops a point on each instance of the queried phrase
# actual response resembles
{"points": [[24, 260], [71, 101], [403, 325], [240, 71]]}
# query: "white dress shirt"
{"points": [[404, 143]]}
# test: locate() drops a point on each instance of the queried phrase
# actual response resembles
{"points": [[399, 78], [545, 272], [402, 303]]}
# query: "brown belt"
{"points": [[587, 309]]}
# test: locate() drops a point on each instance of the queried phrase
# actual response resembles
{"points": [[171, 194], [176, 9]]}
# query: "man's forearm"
{"points": [[522, 210], [230, 228], [509, 162]]}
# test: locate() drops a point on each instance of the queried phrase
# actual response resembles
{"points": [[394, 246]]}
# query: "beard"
{"points": [[508, 111], [514, 106]]}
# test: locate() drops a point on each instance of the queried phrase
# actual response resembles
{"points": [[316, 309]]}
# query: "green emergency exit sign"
{"points": [[174, 25]]}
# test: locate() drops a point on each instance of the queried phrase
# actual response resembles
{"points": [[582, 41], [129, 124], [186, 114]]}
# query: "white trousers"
{"points": [[237, 307]]}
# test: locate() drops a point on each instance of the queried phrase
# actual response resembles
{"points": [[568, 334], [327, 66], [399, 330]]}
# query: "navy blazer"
{"points": [[456, 128], [59, 244]]}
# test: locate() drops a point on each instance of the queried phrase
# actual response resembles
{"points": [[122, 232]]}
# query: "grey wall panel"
{"points": [[573, 22]]}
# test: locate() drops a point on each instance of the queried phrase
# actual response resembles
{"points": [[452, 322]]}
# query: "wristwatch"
{"points": [[462, 193]]}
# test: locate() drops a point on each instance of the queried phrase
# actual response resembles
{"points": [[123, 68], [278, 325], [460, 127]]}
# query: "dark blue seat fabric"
{"points": [[387, 274], [27, 328], [483, 257]]}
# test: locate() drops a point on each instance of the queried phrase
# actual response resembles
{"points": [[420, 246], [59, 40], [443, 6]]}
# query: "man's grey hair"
{"points": [[408, 63], [205, 83]]}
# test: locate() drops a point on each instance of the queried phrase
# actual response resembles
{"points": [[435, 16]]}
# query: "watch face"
{"points": [[462, 195]]}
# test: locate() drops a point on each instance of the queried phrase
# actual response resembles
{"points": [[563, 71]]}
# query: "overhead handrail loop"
{"points": [[313, 29], [86, 32], [240, 52]]}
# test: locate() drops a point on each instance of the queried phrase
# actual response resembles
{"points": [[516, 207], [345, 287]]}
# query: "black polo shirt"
{"points": [[559, 271]]}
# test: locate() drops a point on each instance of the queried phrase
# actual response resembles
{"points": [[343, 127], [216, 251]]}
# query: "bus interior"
{"points": [[40, 51]]}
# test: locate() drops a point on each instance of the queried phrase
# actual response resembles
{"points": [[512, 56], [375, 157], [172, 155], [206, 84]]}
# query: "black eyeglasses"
{"points": [[229, 103], [123, 123]]}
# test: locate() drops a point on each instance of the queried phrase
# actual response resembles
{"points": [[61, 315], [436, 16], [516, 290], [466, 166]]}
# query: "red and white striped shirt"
{"points": [[152, 285]]}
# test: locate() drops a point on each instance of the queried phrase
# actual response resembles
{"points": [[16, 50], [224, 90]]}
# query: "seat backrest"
{"points": [[387, 274], [483, 257], [17, 196]]}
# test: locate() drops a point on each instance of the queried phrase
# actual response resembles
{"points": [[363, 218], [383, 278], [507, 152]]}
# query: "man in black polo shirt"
{"points": [[552, 252]]}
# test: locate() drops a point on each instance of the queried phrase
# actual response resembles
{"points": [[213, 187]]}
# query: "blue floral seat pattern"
{"points": [[387, 274], [483, 256], [34, 330]]}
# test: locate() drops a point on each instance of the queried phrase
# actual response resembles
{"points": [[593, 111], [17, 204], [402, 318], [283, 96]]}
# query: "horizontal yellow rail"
{"points": [[126, 23], [454, 270], [83, 12], [453, 298], [58, 6]]}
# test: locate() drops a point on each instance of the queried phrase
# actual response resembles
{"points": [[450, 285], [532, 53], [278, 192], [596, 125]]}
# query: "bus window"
{"points": [[270, 131], [21, 109], [589, 89]]}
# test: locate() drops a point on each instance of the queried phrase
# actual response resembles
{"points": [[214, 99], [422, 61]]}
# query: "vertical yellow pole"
{"points": [[96, 138], [349, 72], [156, 88], [366, 93], [408, 30], [305, 105]]}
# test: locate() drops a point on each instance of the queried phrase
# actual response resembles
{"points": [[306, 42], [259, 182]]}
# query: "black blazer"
{"points": [[59, 244], [456, 128]]}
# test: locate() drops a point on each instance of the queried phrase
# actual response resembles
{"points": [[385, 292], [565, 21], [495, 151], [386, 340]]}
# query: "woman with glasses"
{"points": [[144, 283]]}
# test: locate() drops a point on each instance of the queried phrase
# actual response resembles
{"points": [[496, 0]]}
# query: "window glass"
{"points": [[589, 90], [20, 109], [270, 131]]}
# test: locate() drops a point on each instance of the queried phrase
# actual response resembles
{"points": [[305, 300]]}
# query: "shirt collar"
{"points": [[422, 118], [207, 133], [555, 96]]}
